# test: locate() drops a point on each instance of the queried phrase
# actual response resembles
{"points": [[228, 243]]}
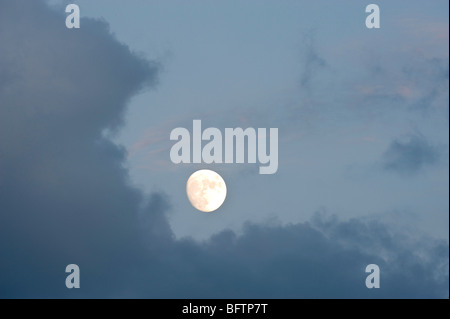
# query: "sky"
{"points": [[86, 176]]}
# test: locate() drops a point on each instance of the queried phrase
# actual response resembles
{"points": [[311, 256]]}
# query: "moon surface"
{"points": [[206, 190]]}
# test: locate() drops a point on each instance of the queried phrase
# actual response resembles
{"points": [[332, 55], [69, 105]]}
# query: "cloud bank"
{"points": [[65, 196]]}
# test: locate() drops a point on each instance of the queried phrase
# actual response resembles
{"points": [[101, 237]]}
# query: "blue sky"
{"points": [[234, 63], [363, 148]]}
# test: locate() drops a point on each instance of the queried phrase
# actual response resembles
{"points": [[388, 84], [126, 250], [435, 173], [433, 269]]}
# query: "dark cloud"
{"points": [[63, 189], [65, 197], [325, 258], [410, 156]]}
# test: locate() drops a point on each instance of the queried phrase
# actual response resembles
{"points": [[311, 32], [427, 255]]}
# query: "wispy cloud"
{"points": [[312, 61]]}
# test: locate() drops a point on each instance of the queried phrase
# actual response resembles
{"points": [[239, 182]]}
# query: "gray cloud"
{"points": [[63, 189], [65, 197], [433, 76], [410, 156], [410, 83], [325, 258], [312, 61]]}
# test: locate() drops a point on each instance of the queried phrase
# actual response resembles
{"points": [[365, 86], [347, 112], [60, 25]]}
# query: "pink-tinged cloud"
{"points": [[405, 91]]}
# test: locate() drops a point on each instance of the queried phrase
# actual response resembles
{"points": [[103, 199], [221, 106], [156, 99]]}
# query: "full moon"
{"points": [[206, 190]]}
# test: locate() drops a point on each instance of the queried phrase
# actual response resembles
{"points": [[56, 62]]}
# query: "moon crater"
{"points": [[206, 190]]}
